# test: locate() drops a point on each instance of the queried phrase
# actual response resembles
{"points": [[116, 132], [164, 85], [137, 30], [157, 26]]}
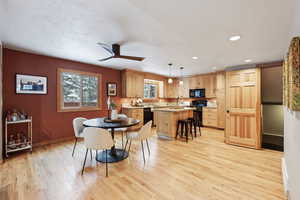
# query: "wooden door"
{"points": [[243, 108]]}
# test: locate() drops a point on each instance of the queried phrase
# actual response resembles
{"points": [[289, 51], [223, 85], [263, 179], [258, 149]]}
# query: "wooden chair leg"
{"points": [[122, 140], [106, 162], [74, 146], [143, 152], [148, 146], [129, 147], [84, 161], [125, 148]]}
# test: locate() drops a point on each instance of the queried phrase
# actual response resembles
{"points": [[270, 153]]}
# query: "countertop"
{"points": [[153, 106], [135, 107], [210, 107], [174, 109]]}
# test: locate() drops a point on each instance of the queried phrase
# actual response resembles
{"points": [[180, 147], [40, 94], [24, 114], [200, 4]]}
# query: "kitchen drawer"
{"points": [[210, 110], [210, 116], [210, 122]]}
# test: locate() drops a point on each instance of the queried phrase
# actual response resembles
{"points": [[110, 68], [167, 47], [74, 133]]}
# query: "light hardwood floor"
{"points": [[203, 169]]}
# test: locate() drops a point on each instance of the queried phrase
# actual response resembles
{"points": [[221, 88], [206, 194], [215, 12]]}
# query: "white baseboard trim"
{"points": [[285, 176]]}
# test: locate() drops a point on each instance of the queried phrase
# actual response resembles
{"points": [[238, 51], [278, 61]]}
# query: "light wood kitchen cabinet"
{"points": [[209, 85], [220, 94], [210, 117], [132, 84], [196, 82], [136, 113], [173, 89], [184, 90]]}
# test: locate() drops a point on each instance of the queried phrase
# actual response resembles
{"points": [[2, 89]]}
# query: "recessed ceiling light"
{"points": [[195, 57], [248, 60], [235, 38]]}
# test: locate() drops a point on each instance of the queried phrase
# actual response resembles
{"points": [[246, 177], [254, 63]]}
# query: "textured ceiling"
{"points": [[162, 31]]}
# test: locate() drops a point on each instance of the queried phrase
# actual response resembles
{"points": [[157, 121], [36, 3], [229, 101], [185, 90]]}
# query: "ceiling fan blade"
{"points": [[106, 47], [105, 59], [131, 58]]}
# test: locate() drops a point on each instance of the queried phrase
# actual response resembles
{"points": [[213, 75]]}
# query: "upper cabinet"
{"points": [[132, 84], [172, 89], [210, 85], [184, 89], [207, 81]]}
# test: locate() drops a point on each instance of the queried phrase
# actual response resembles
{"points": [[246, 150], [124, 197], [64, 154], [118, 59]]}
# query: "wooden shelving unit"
{"points": [[9, 148]]}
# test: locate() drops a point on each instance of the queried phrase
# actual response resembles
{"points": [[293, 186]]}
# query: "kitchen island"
{"points": [[166, 119]]}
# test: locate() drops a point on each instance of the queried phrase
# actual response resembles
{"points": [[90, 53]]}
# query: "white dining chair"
{"points": [[142, 135], [97, 139], [78, 129]]}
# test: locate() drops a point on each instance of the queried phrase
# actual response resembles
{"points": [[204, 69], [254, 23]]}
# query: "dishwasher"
{"points": [[148, 115]]}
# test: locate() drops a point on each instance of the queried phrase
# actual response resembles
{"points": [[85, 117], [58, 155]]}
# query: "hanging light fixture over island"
{"points": [[170, 80]]}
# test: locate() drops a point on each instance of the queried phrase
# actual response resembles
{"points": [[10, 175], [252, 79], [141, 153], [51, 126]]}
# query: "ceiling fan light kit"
{"points": [[114, 51]]}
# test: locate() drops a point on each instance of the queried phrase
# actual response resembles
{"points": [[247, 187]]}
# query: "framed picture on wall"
{"points": [[111, 89], [29, 84]]}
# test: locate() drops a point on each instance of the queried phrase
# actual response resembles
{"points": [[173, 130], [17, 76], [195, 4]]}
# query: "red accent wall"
{"points": [[48, 124]]}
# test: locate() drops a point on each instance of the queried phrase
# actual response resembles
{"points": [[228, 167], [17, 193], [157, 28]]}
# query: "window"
{"points": [[78, 91], [151, 89]]}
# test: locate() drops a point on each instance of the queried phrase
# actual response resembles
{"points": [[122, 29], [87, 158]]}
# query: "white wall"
{"points": [[292, 131]]}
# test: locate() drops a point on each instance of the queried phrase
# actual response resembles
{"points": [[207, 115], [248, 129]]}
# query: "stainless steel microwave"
{"points": [[197, 93]]}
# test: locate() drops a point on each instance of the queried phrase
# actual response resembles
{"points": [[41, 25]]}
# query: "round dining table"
{"points": [[114, 154]]}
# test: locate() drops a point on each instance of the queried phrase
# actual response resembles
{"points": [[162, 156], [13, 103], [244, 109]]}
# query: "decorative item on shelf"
{"points": [[18, 140], [23, 115], [12, 142], [23, 140], [111, 89], [14, 115], [9, 115]]}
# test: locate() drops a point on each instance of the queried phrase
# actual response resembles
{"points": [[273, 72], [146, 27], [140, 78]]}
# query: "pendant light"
{"points": [[181, 78], [170, 80]]}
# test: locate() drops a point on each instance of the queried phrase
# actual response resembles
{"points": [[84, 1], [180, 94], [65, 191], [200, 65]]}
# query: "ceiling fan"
{"points": [[114, 50]]}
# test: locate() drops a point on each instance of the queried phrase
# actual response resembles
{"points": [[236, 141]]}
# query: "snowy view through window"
{"points": [[150, 90], [79, 90]]}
